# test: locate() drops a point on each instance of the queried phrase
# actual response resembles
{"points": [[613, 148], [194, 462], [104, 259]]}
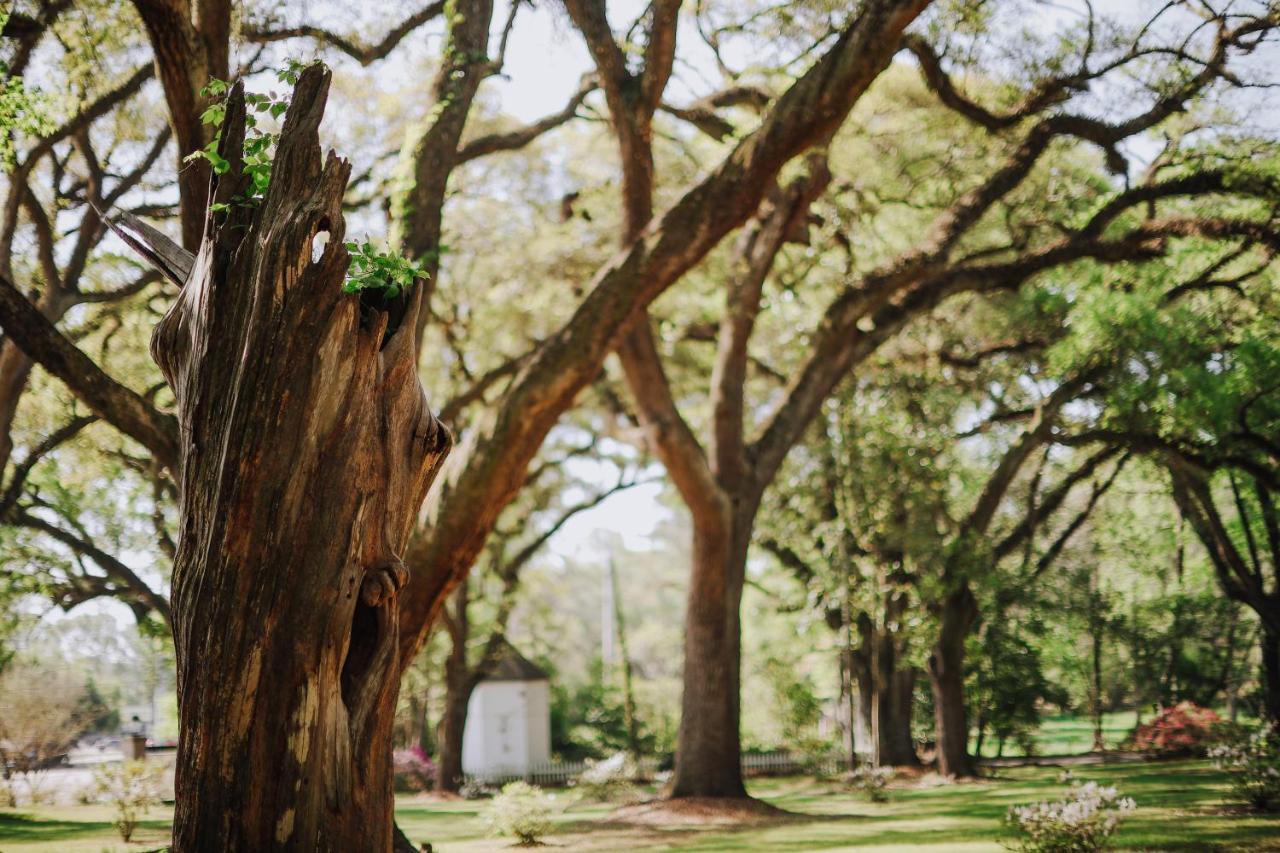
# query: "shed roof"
{"points": [[510, 665]]}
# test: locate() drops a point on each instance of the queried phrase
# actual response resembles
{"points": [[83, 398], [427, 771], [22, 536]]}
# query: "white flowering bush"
{"points": [[1252, 760], [609, 780], [521, 811], [474, 789], [873, 782], [1081, 823]]}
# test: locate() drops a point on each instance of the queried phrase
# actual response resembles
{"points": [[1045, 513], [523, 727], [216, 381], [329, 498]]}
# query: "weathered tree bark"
{"points": [[946, 675], [307, 448]]}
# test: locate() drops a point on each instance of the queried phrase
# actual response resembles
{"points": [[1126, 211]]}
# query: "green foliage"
{"points": [[259, 144], [799, 707], [96, 711], [1008, 683], [521, 811], [588, 719], [22, 109], [380, 271]]}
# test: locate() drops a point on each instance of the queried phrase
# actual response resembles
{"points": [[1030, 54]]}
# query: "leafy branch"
{"points": [[259, 144]]}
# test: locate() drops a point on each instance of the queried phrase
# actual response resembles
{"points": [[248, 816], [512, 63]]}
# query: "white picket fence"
{"points": [[785, 763], [553, 774]]}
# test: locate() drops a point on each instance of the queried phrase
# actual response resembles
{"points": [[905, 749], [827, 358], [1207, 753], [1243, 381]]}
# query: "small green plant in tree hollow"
{"points": [[380, 273], [389, 273]]}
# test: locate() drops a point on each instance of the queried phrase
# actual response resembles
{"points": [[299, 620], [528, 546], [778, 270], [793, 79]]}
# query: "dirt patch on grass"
{"points": [[703, 811], [934, 779]]}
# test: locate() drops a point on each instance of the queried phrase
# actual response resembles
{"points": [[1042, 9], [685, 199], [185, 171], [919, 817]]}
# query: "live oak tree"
{"points": [[975, 239], [1195, 395], [905, 499], [859, 498]]}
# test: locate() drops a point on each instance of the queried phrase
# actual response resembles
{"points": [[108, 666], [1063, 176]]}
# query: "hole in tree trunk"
{"points": [[360, 651], [373, 301], [318, 244]]}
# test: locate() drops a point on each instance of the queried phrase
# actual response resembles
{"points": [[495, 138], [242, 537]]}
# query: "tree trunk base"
{"points": [[701, 810]]}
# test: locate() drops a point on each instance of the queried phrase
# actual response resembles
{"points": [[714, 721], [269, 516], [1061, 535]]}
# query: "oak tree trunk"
{"points": [[459, 685], [1271, 674], [307, 449], [946, 676], [708, 756], [896, 745], [896, 686]]}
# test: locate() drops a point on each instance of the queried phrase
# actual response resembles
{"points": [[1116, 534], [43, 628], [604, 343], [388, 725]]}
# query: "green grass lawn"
{"points": [[1180, 807], [1070, 735]]}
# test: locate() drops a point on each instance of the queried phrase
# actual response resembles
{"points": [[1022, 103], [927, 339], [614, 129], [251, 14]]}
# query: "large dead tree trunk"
{"points": [[307, 448]]}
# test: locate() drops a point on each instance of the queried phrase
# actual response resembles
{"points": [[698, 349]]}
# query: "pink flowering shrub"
{"points": [[1184, 729], [414, 770]]}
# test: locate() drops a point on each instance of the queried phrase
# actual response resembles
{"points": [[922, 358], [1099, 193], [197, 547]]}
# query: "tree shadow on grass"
{"points": [[18, 827]]}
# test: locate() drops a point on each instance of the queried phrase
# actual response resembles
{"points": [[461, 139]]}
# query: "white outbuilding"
{"points": [[508, 729]]}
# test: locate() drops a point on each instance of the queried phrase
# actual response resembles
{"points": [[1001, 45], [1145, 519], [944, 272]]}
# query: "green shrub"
{"points": [[608, 781], [132, 788], [872, 782]]}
